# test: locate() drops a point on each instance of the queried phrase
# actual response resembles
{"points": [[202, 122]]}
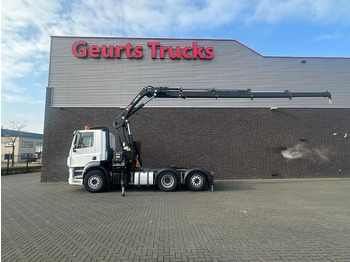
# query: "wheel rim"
{"points": [[196, 180], [94, 182], [167, 181]]}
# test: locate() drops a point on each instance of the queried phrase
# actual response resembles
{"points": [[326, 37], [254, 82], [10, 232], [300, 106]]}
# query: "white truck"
{"points": [[96, 162]]}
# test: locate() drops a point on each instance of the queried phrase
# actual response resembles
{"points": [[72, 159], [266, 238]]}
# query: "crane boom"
{"points": [[166, 92]]}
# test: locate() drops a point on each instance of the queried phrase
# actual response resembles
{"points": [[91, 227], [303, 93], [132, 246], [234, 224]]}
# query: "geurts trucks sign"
{"points": [[82, 49]]}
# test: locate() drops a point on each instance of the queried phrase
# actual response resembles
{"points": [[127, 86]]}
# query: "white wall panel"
{"points": [[101, 82]]}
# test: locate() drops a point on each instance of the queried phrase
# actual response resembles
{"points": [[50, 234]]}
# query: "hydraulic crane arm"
{"points": [[166, 92], [122, 123]]}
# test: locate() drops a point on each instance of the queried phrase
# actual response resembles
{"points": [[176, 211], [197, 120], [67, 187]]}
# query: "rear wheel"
{"points": [[196, 181], [94, 181], [167, 181]]}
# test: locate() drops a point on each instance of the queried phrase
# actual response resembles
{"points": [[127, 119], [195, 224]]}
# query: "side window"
{"points": [[84, 140]]}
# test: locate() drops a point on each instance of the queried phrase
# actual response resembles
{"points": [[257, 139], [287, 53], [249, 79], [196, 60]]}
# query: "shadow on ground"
{"points": [[232, 185], [220, 186]]}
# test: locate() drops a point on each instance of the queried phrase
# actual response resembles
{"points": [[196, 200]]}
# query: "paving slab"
{"points": [[242, 220]]}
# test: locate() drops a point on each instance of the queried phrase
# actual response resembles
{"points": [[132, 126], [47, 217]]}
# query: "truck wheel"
{"points": [[167, 181], [196, 181], [94, 181]]}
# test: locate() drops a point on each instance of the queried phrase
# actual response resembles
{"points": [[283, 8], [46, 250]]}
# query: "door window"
{"points": [[84, 140]]}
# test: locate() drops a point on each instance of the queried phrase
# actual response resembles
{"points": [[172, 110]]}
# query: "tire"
{"points": [[196, 181], [95, 181], [167, 181]]}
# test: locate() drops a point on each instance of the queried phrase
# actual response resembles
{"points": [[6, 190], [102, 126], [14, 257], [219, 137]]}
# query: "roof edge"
{"points": [[16, 133], [205, 39]]}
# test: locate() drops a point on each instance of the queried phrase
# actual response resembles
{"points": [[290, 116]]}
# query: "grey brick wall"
{"points": [[232, 142]]}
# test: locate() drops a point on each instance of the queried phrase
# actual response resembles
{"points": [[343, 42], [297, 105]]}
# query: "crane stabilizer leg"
{"points": [[123, 179]]}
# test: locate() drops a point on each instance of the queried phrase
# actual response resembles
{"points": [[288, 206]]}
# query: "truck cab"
{"points": [[90, 149]]}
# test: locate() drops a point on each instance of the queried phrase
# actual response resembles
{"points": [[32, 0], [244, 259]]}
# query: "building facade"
{"points": [[26, 145], [92, 78]]}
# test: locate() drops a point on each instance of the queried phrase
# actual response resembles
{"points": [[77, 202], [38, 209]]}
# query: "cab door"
{"points": [[83, 149]]}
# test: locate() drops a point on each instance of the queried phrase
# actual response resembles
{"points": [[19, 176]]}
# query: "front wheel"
{"points": [[95, 181], [167, 181], [196, 181]]}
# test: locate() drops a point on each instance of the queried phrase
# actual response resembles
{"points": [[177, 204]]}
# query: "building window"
{"points": [[7, 156], [27, 144], [24, 156], [9, 144], [38, 155], [38, 147]]}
